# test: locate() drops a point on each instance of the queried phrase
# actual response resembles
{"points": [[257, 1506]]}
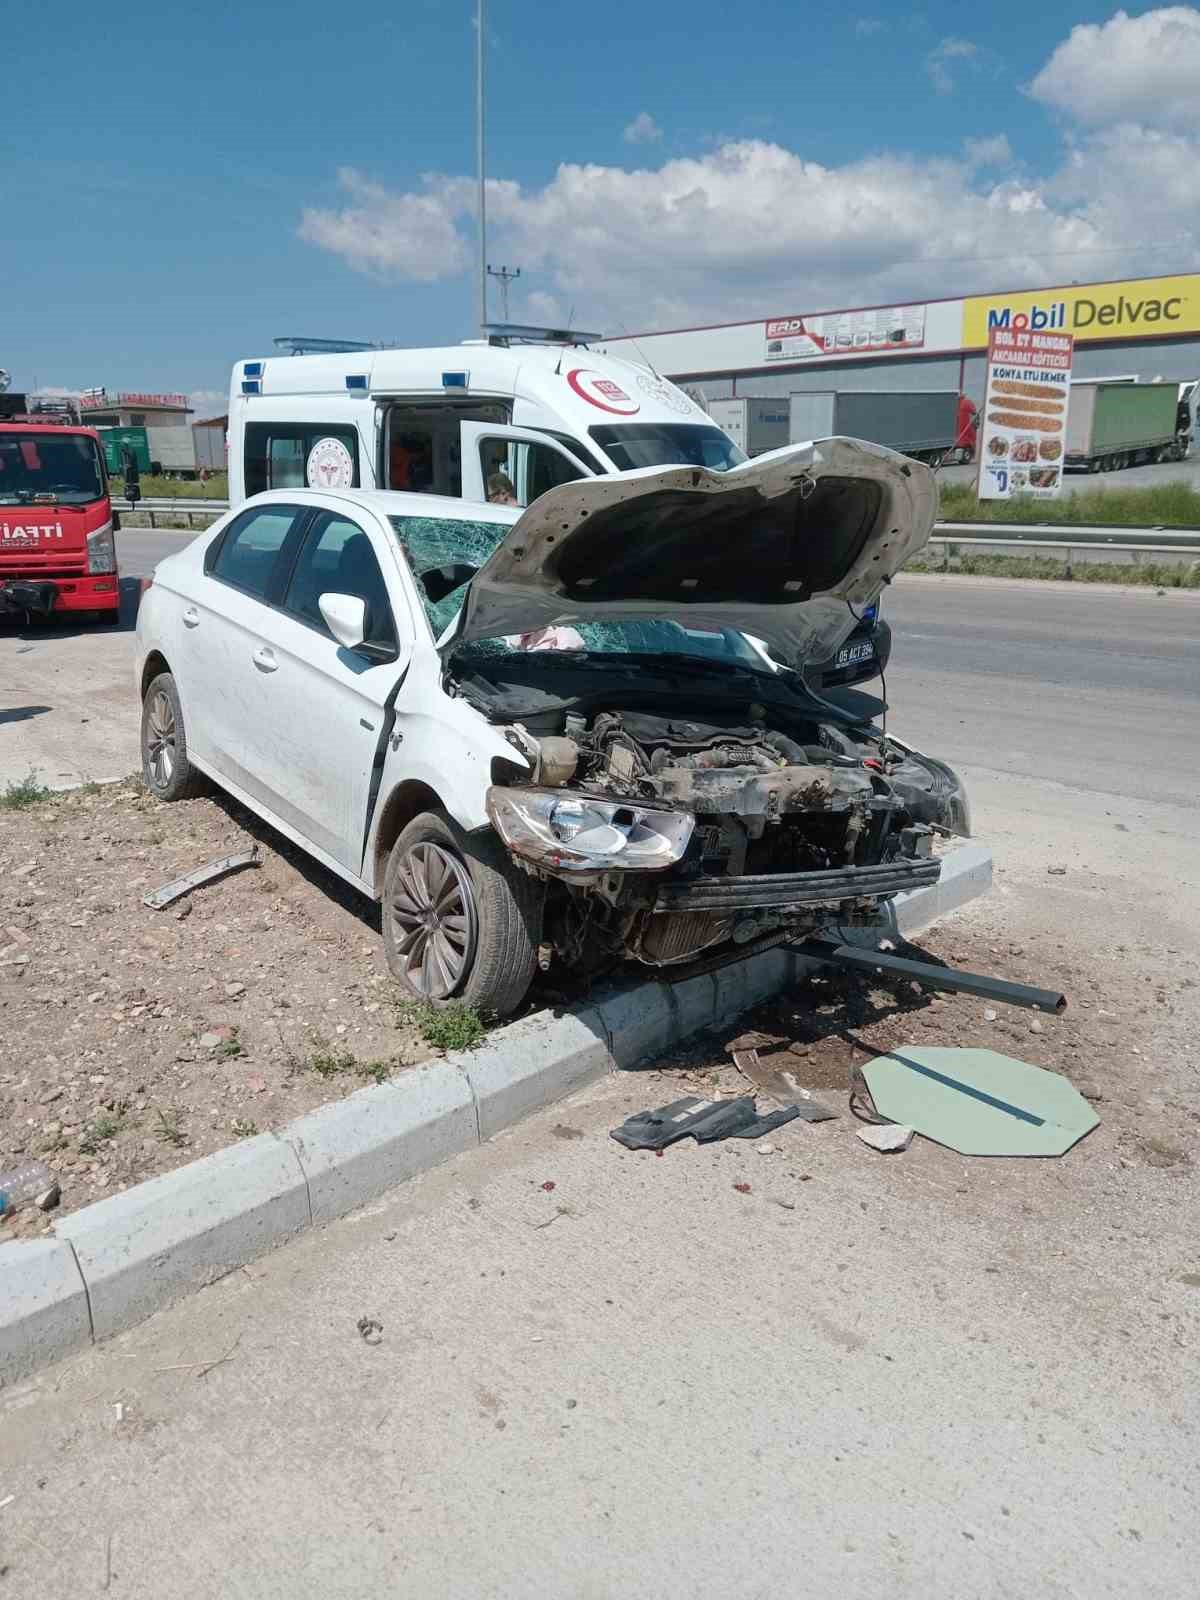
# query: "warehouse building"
{"points": [[1145, 328]]}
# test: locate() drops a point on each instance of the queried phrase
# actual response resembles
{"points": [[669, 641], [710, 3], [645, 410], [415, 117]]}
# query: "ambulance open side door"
{"points": [[530, 460]]}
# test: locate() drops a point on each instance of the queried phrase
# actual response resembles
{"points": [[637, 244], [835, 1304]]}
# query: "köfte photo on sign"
{"points": [[1025, 413]]}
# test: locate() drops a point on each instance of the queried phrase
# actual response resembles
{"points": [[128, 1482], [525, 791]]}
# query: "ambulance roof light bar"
{"points": [[293, 346], [504, 333]]}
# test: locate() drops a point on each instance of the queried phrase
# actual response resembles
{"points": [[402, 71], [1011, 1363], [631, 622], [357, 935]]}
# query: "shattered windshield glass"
{"points": [[445, 554]]}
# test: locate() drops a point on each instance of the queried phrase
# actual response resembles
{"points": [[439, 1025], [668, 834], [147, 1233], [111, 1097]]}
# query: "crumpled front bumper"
{"points": [[782, 891]]}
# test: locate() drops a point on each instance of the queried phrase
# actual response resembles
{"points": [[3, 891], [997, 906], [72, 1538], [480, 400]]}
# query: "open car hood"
{"points": [[774, 548]]}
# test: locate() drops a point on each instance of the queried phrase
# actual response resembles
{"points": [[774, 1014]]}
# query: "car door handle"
{"points": [[191, 618], [264, 659]]}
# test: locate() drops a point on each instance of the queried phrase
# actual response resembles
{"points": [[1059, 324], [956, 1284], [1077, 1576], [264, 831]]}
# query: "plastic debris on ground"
{"points": [[703, 1120], [779, 1082], [978, 1102], [33, 1182]]}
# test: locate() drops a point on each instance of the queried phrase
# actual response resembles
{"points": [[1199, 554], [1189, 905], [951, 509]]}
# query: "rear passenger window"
{"points": [[337, 558], [250, 548], [298, 455]]}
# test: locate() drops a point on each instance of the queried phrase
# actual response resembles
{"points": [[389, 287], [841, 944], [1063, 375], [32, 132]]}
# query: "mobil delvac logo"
{"points": [[1037, 318], [1139, 308]]}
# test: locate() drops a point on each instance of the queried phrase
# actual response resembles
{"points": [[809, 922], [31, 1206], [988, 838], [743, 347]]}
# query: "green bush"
{"points": [[217, 487], [1164, 505]]}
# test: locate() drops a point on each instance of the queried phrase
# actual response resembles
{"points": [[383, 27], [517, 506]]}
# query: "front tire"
{"points": [[461, 923], [166, 770]]}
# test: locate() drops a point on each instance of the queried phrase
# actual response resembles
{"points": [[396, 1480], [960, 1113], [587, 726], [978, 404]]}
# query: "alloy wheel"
{"points": [[161, 735], [434, 919]]}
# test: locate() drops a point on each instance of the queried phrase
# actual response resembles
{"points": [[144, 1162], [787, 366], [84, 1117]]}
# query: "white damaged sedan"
{"points": [[545, 734]]}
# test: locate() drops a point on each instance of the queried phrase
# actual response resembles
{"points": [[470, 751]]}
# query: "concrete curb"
{"points": [[114, 1263]]}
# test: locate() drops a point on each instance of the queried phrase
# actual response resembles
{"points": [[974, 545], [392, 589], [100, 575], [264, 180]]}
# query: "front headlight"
{"points": [[101, 551], [579, 832]]}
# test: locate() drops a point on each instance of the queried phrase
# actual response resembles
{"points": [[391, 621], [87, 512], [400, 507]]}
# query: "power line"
{"points": [[506, 275]]}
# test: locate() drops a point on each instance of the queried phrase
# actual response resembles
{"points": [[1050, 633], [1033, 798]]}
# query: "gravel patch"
{"points": [[134, 1040]]}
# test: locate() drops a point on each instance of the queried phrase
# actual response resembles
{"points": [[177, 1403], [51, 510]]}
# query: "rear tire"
{"points": [[461, 922], [166, 770]]}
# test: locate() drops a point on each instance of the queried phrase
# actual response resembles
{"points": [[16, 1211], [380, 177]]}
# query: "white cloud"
{"points": [[208, 403], [937, 62], [750, 225], [1142, 69], [409, 236], [993, 151], [642, 130], [867, 27]]}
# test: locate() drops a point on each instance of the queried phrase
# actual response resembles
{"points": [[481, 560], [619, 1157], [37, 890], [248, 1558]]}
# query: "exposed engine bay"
{"points": [[661, 836]]}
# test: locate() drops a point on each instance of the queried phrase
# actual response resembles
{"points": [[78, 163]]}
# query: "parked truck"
{"points": [[923, 424], [1115, 425], [756, 424], [116, 440], [172, 452], [57, 550]]}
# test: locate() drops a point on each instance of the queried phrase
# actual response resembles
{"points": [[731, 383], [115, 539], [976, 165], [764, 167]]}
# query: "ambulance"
{"points": [[503, 419]]}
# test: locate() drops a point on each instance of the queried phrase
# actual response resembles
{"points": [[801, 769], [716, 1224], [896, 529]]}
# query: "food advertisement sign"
{"points": [[1024, 431], [845, 333]]}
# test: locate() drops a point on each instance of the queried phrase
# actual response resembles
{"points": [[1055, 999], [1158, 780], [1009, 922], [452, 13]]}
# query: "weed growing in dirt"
{"points": [[327, 1061], [243, 1128], [229, 1048], [20, 796], [332, 1061], [105, 1127], [170, 1128], [456, 1027], [377, 1071]]}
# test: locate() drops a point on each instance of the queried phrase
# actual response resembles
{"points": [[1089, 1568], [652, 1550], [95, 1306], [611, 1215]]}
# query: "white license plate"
{"points": [[853, 653]]}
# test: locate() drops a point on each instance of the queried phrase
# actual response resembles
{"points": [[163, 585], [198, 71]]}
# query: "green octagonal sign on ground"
{"points": [[979, 1102]]}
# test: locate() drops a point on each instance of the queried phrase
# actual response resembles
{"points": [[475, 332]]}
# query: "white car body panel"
{"points": [[290, 744]]}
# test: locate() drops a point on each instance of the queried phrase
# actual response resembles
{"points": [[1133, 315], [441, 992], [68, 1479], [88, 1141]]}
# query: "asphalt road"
{"points": [[1090, 686]]}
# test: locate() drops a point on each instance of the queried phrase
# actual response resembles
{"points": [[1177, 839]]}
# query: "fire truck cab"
{"points": [[57, 546]]}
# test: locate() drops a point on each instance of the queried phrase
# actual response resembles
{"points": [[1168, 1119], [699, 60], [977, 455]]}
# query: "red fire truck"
{"points": [[57, 548]]}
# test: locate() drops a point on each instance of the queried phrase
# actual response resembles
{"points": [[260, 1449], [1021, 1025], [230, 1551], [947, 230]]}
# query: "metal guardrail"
{"points": [[1046, 535], [1178, 540], [176, 506]]}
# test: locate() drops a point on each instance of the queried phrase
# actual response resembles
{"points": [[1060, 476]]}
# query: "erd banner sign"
{"points": [[1024, 430]]}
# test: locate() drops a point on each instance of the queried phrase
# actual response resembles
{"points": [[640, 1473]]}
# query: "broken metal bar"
{"points": [[932, 976], [171, 892]]}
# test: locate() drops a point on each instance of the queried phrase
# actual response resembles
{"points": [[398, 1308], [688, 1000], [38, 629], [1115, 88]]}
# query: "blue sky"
{"points": [[209, 177]]}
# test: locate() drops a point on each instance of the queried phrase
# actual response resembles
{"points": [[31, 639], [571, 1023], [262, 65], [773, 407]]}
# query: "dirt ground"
{"points": [[134, 1040], [1126, 1041]]}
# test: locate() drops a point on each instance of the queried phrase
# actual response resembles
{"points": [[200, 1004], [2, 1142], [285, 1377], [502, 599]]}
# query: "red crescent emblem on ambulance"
{"points": [[602, 392]]}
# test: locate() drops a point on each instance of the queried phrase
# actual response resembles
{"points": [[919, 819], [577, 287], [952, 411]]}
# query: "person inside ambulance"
{"points": [[501, 490]]}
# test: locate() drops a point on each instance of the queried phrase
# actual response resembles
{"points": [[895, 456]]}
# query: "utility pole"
{"points": [[506, 276], [483, 271]]}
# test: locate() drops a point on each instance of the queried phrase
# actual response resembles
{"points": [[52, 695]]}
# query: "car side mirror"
{"points": [[345, 617]]}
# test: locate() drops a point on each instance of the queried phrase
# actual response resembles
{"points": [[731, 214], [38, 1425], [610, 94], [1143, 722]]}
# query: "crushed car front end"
{"points": [[660, 836], [672, 792]]}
